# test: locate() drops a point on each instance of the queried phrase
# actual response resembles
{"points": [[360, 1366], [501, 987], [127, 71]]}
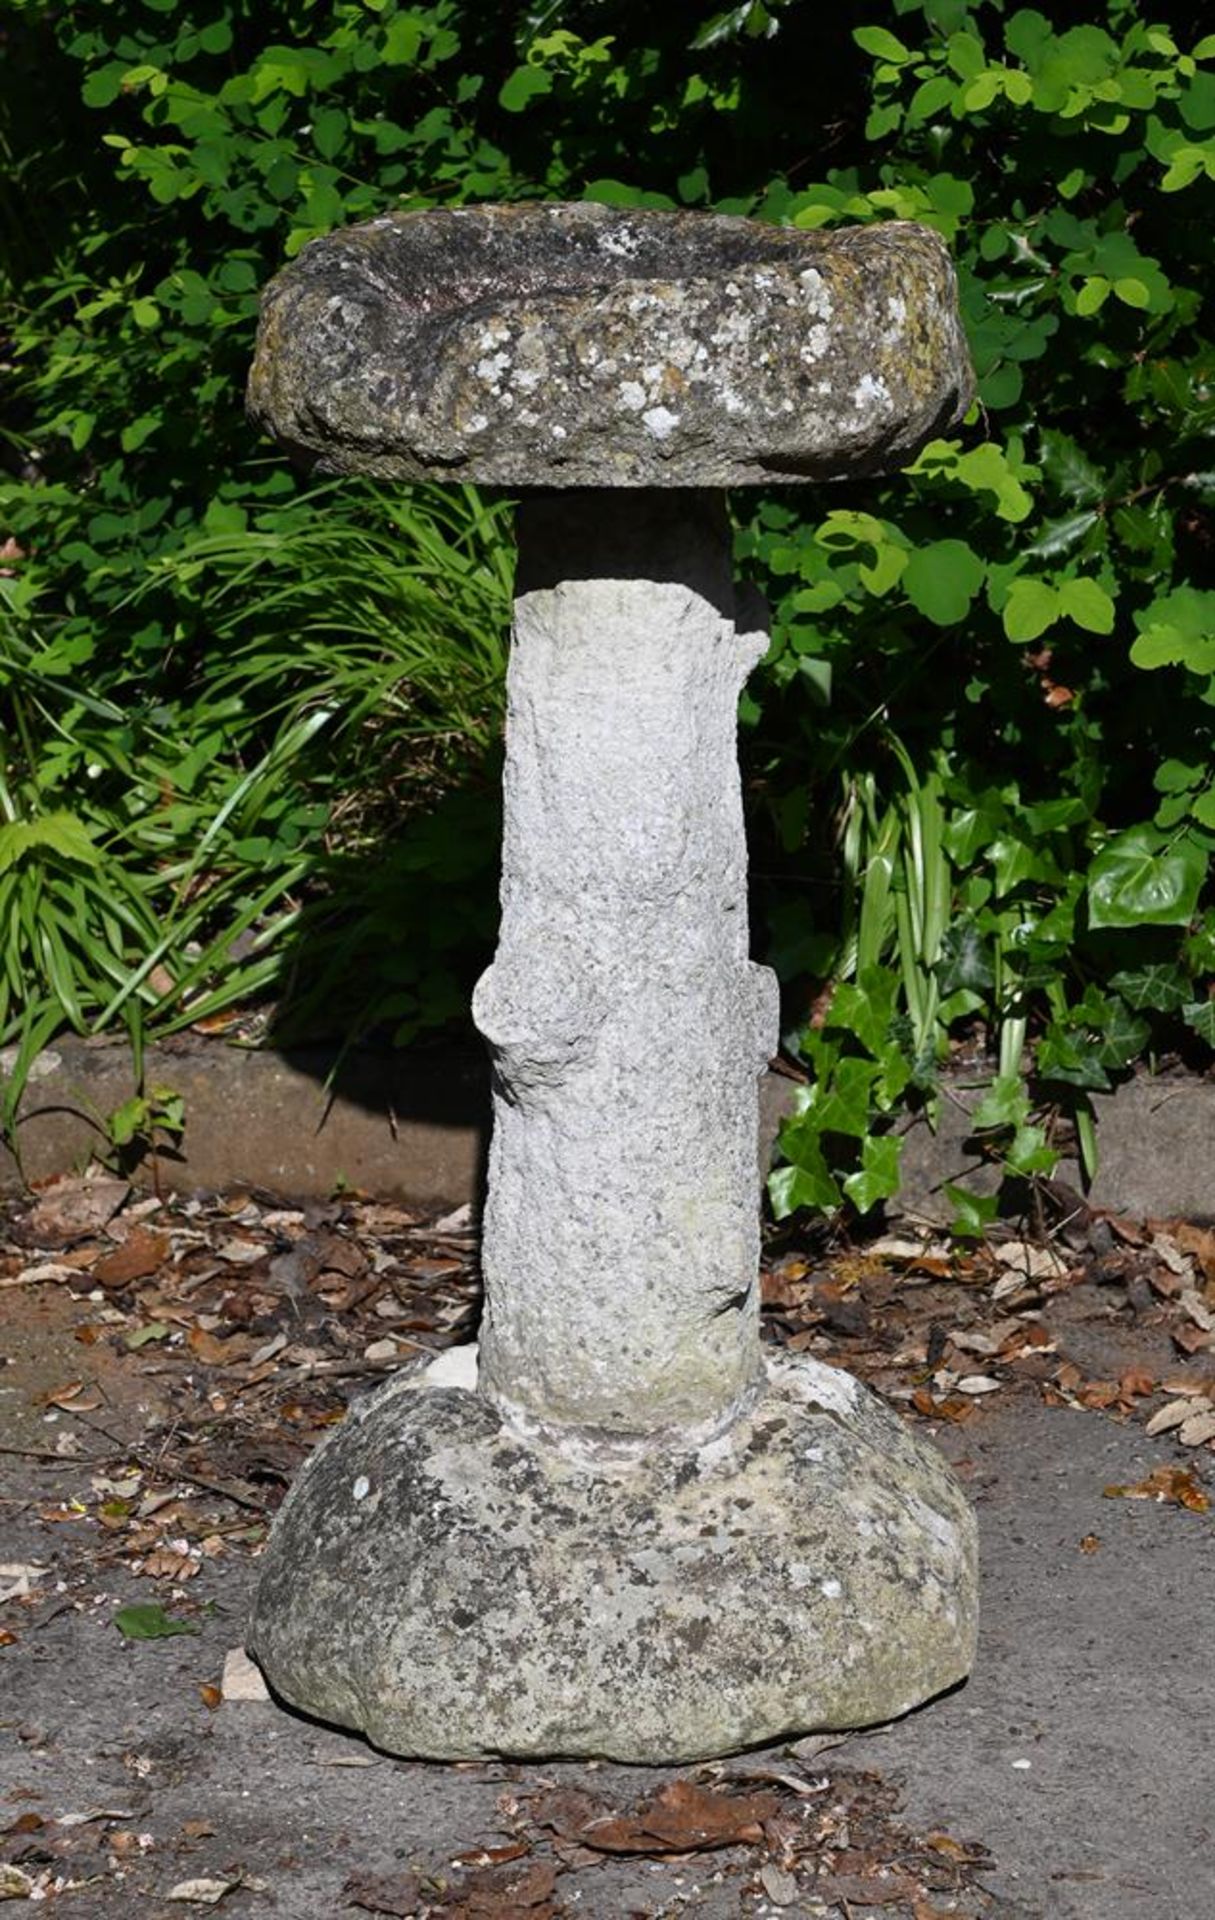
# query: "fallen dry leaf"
{"points": [[1125, 1229], [142, 1253], [1091, 1543], [214, 1352], [1190, 1385], [973, 1342], [70, 1392], [779, 1885], [1173, 1486], [210, 1695], [203, 1893], [398, 1894], [28, 1822], [66, 1510], [506, 1893], [954, 1410], [958, 1851], [683, 1818], [1098, 1394], [168, 1563], [92, 1814], [34, 1276], [1191, 1339], [1031, 1262], [1135, 1383], [492, 1856], [71, 1206], [1169, 1254], [1198, 1241], [1173, 1415], [1198, 1429], [19, 1578], [1197, 1308]]}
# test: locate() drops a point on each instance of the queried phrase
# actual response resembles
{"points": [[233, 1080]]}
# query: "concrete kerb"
{"points": [[412, 1127]]}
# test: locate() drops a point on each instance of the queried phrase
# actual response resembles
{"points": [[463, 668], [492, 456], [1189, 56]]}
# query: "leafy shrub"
{"points": [[978, 756]]}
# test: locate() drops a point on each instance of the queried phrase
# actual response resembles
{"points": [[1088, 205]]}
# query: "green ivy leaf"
{"points": [[975, 1211], [1029, 1153], [965, 965], [843, 1105], [865, 1007], [808, 1184], [877, 1177], [1142, 879], [1200, 1015], [1005, 1103], [1163, 988]]}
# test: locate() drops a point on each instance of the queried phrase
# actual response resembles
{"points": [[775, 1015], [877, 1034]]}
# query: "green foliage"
{"points": [[147, 1620], [250, 725], [146, 1116], [1080, 532]]}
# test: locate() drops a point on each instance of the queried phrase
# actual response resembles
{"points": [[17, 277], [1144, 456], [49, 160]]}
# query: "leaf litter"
{"points": [[790, 1839], [252, 1324], [944, 1331]]}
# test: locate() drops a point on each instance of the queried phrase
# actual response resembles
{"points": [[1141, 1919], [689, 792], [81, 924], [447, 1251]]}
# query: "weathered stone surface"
{"points": [[580, 345], [621, 1244], [626, 1536], [813, 1567]]}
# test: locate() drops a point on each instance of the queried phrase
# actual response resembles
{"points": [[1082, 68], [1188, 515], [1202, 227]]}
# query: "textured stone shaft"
{"points": [[627, 1025]]}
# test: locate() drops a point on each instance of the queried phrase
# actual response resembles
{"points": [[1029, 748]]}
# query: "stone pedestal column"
{"points": [[627, 1024], [628, 1530]]}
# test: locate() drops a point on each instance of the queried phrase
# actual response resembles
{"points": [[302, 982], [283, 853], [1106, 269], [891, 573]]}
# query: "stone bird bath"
{"points": [[623, 1528]]}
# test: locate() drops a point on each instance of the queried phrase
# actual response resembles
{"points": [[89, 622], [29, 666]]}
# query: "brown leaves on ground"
{"points": [[680, 1818], [495, 1892], [787, 1837], [69, 1207], [945, 1332], [137, 1257], [246, 1325], [1171, 1486]]}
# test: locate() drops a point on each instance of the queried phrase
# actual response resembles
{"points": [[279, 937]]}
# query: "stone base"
{"points": [[454, 1589]]}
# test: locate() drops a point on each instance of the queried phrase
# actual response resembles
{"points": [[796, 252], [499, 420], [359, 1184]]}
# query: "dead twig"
{"points": [[58, 1459]]}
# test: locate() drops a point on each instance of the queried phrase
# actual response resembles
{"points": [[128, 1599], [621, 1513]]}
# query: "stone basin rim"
{"points": [[562, 345]]}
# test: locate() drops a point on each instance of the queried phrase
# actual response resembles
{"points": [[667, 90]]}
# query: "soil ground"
{"points": [[167, 1369]]}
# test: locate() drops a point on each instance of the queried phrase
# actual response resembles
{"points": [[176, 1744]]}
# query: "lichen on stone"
{"points": [[584, 345]]}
